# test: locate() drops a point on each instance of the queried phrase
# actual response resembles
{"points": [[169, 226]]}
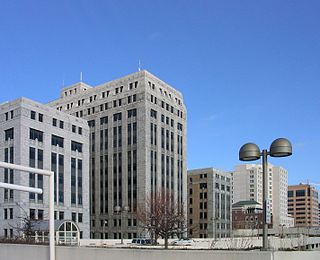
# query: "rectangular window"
{"points": [[54, 121], [33, 115], [9, 134], [117, 117], [57, 141], [40, 117], [75, 146], [300, 193], [74, 128], [103, 120], [36, 135], [40, 214], [132, 113], [73, 181], [61, 124], [80, 217]]}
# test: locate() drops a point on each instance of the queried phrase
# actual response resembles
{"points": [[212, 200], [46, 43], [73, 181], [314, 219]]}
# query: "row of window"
{"points": [[9, 115], [102, 107], [55, 140], [33, 116], [104, 94], [164, 92], [8, 213]]}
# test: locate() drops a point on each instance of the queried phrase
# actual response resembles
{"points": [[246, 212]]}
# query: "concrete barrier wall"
{"points": [[32, 252]]}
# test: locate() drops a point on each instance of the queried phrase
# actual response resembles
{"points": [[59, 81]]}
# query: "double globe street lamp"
{"points": [[280, 147]]}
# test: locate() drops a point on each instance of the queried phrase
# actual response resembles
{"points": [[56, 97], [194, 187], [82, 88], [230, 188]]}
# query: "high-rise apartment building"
{"points": [[137, 147], [303, 205], [209, 203], [247, 185], [34, 135]]}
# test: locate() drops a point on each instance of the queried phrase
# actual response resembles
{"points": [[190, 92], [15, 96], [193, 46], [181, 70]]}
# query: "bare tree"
{"points": [[24, 226], [162, 216]]}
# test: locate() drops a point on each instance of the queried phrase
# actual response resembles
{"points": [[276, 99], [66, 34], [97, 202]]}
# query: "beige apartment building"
{"points": [[303, 205]]}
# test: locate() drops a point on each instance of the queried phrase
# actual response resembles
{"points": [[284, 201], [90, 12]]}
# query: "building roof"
{"points": [[245, 203]]}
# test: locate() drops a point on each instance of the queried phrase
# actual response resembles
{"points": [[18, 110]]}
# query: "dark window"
{"points": [[32, 213], [33, 115], [132, 113], [9, 134], [290, 193], [300, 193], [103, 120], [61, 215], [40, 214], [80, 130], [153, 113], [75, 146], [61, 124], [80, 216], [40, 116], [54, 121], [74, 128], [117, 117], [57, 140], [36, 134]]}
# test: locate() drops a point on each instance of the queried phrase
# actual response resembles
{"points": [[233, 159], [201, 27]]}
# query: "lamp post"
{"points": [[280, 147], [120, 210]]}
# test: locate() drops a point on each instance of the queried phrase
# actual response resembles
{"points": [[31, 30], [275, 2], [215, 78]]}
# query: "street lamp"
{"points": [[280, 147], [120, 210]]}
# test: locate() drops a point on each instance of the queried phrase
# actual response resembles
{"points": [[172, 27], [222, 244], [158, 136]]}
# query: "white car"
{"points": [[182, 242]]}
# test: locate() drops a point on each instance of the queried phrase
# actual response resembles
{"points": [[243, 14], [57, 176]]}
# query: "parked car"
{"points": [[142, 241], [182, 242]]}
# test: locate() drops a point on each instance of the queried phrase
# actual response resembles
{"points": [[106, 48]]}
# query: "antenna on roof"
{"points": [[81, 76], [139, 68]]}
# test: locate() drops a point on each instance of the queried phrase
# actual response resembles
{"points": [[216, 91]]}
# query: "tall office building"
{"points": [[209, 203], [137, 147], [303, 205], [34, 135], [247, 185]]}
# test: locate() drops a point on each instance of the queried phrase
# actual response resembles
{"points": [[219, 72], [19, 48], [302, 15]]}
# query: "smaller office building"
{"points": [[209, 203], [303, 205]]}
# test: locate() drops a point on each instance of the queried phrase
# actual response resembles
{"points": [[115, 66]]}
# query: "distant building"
{"points": [[34, 135], [209, 203], [247, 185], [303, 205], [247, 215]]}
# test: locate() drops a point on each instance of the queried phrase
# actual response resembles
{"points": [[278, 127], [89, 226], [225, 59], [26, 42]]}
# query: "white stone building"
{"points": [[247, 185], [137, 146], [35, 135]]}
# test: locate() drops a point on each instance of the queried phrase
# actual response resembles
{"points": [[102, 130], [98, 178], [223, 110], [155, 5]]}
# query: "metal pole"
{"points": [[264, 198], [51, 196], [20, 188], [51, 217]]}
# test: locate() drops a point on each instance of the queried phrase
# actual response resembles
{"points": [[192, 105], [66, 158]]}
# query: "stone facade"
{"points": [[137, 146], [209, 203], [32, 134]]}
